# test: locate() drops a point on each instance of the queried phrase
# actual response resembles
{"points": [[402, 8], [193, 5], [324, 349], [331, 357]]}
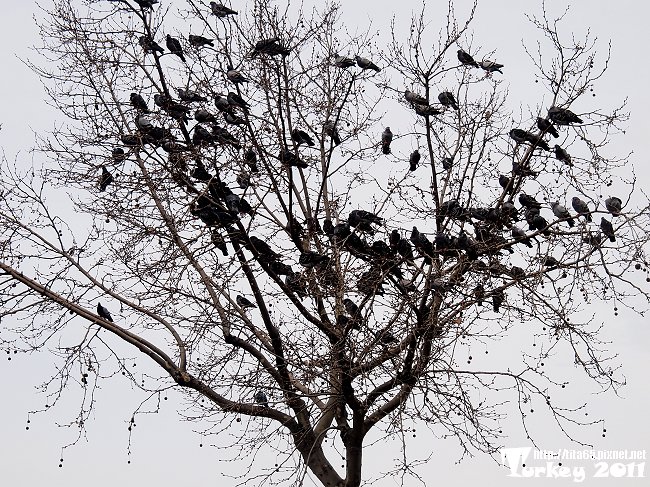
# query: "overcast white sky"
{"points": [[166, 450]]}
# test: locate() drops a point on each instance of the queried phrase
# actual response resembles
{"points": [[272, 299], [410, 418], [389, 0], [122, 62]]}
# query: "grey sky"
{"points": [[165, 449]]}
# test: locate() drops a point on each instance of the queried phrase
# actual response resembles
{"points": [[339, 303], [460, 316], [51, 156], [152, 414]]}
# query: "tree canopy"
{"points": [[302, 228]]}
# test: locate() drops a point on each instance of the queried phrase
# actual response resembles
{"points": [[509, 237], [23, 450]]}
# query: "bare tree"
{"points": [[237, 204]]}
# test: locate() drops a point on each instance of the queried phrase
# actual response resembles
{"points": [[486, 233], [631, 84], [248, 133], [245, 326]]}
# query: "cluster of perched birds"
{"points": [[219, 208]]}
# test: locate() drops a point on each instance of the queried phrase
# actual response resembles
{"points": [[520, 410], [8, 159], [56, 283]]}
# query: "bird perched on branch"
{"points": [[270, 47], [448, 100], [301, 137], [466, 59], [261, 399], [174, 46], [105, 179], [363, 220], [343, 62], [491, 66], [235, 76], [561, 212], [365, 63], [138, 102], [581, 208], [415, 98], [330, 129], [426, 110], [414, 160], [386, 139], [221, 11], [244, 303], [190, 96], [562, 155], [547, 127], [614, 205], [200, 41], [563, 116], [608, 229], [104, 313], [520, 136], [149, 45]]}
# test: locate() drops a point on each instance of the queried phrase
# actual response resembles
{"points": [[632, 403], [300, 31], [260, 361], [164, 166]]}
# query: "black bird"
{"points": [[561, 212], [118, 155], [328, 227], [414, 160], [301, 137], [528, 201], [520, 136], [386, 139], [190, 96], [466, 59], [233, 119], [104, 313], [343, 62], [364, 63], [221, 11], [498, 297], [447, 163], [546, 127], [608, 229], [200, 173], [479, 294], [562, 155], [426, 110], [509, 211], [237, 101], [174, 46], [200, 41], [280, 268], [448, 100], [202, 135], [244, 303], [581, 208], [261, 399], [517, 272], [204, 116], [363, 220], [311, 259], [415, 98], [506, 183], [330, 129], [296, 285], [520, 235], [219, 242], [539, 223], [105, 179], [563, 116], [491, 66], [235, 76], [250, 158], [288, 158], [243, 180], [551, 261], [262, 248], [146, 4], [138, 103], [149, 45], [222, 103], [614, 205], [350, 307], [270, 47], [222, 136]]}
